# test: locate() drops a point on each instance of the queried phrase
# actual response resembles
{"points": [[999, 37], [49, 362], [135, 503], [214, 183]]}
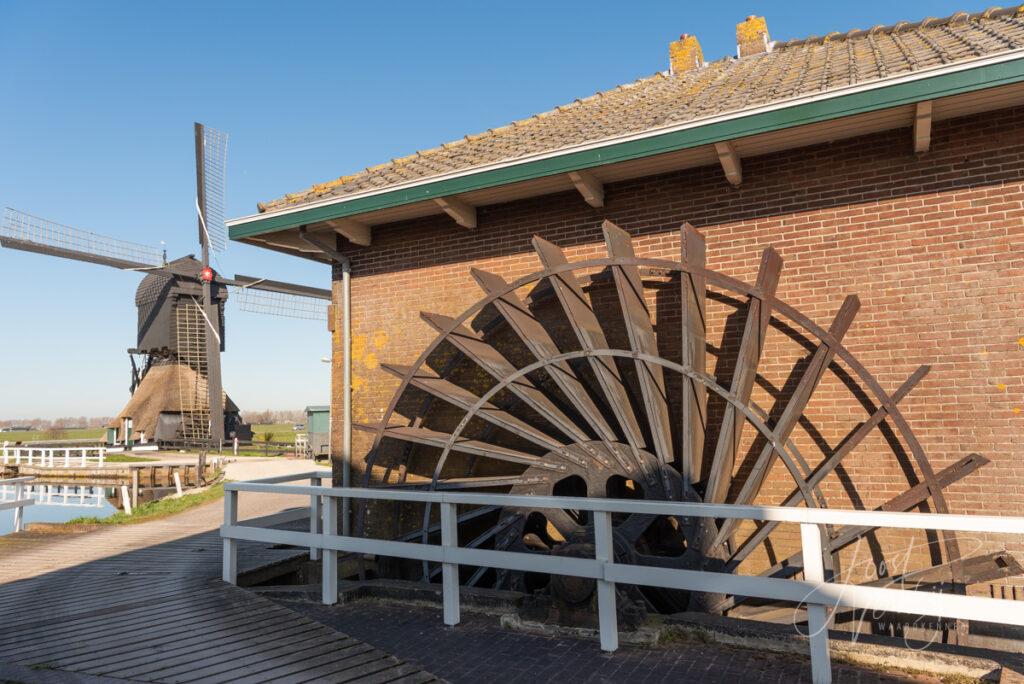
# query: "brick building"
{"points": [[886, 163]]}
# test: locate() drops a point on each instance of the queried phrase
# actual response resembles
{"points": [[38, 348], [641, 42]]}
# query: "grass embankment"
{"points": [[156, 509], [39, 435]]}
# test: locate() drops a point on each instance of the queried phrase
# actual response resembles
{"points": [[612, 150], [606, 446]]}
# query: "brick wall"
{"points": [[932, 246]]}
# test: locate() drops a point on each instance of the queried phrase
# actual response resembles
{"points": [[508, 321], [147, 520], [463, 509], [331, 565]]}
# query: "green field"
{"points": [[38, 435], [282, 432]]}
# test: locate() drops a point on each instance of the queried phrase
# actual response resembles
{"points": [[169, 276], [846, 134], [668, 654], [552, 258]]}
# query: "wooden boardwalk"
{"points": [[145, 603]]}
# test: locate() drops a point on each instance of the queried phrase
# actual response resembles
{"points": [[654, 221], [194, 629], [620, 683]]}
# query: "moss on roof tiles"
{"points": [[791, 69]]}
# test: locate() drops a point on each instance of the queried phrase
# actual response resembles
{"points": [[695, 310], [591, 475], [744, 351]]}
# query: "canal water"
{"points": [[58, 503]]}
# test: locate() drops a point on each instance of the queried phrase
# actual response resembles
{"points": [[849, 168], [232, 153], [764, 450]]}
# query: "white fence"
{"points": [[18, 499], [812, 591], [56, 494], [54, 457]]}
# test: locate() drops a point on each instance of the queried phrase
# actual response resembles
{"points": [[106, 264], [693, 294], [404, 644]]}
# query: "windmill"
{"points": [[176, 386]]}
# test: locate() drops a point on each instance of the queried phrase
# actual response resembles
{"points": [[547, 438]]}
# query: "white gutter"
{"points": [[876, 84]]}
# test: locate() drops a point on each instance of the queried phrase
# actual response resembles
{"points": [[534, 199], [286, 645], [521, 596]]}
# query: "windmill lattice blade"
{"points": [[255, 300], [33, 234], [212, 169]]}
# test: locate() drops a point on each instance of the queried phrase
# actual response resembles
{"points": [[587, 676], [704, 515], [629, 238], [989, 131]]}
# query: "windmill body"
{"points": [[170, 380]]}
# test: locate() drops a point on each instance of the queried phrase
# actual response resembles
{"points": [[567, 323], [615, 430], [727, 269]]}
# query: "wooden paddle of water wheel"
{"points": [[596, 384]]}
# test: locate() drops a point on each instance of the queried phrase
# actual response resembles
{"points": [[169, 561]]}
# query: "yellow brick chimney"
{"points": [[684, 54], [752, 37]]}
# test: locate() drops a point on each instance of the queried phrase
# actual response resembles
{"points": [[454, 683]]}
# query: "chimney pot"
{"points": [[752, 37], [684, 54]]}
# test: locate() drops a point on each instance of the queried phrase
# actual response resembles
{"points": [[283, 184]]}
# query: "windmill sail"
{"points": [[33, 234], [212, 150]]}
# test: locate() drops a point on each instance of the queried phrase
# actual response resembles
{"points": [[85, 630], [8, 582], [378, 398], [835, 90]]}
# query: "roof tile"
{"points": [[792, 69]]}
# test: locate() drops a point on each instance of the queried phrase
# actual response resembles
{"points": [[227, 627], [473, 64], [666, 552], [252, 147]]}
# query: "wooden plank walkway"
{"points": [[145, 603]]}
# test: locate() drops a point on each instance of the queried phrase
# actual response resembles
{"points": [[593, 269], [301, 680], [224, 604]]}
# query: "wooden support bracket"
{"points": [[923, 127], [730, 161], [356, 232], [463, 213], [588, 186]]}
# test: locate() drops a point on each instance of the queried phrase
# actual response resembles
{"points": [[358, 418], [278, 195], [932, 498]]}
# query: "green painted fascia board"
{"points": [[943, 85]]}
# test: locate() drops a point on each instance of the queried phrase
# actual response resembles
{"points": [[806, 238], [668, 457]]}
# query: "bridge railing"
{"points": [[18, 499], [54, 457], [812, 591]]}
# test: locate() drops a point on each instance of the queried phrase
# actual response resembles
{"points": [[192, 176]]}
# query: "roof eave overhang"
{"points": [[927, 84]]}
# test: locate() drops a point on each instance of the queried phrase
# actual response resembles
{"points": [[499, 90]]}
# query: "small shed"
{"points": [[318, 427]]}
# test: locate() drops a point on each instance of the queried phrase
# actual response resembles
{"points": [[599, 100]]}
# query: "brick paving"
{"points": [[480, 650]]}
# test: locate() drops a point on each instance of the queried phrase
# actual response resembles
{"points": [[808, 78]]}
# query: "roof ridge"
{"points": [[902, 26]]}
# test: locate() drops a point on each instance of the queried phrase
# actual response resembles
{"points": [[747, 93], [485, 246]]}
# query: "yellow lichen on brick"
{"points": [[684, 54], [752, 36]]}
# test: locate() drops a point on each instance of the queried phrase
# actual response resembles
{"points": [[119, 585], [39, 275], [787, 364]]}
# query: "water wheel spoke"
{"points": [[487, 534], [693, 301], [845, 536], [467, 446], [976, 570], [794, 409], [829, 465], [466, 400], [642, 339], [745, 372], [463, 517], [536, 338], [488, 358], [591, 336]]}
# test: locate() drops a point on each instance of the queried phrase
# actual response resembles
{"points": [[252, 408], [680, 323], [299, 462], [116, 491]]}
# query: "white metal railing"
{"points": [[18, 499], [54, 457], [813, 591]]}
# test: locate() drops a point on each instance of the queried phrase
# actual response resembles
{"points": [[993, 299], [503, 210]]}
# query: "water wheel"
{"points": [[591, 378]]}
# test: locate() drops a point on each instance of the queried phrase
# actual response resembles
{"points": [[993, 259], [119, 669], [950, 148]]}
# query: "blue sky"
{"points": [[96, 126]]}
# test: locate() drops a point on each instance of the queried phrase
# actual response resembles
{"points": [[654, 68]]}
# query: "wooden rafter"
{"points": [[461, 212], [923, 127], [590, 187], [730, 160], [356, 232]]}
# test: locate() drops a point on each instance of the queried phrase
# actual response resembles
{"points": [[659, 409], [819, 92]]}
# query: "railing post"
{"points": [[19, 512], [83, 457], [603, 551], [126, 499], [817, 617], [67, 458], [229, 567], [315, 519], [330, 562], [450, 571], [103, 453]]}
